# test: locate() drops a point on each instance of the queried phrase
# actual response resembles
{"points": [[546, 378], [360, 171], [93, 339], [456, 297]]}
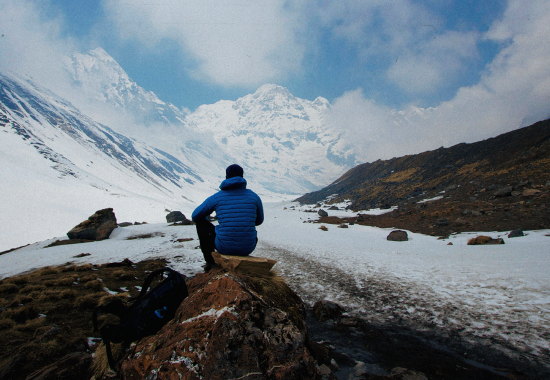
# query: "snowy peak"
{"points": [[100, 77]]}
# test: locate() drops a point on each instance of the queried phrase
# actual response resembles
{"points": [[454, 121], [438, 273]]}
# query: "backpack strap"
{"points": [[114, 307], [150, 278]]}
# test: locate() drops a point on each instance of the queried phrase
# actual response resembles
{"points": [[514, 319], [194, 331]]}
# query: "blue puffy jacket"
{"points": [[239, 211]]}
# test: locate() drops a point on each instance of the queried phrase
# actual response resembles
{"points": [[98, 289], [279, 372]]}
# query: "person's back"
{"points": [[238, 209]]}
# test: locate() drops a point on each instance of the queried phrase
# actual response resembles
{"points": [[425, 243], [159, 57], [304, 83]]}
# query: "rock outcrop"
{"points": [[230, 327], [98, 226]]}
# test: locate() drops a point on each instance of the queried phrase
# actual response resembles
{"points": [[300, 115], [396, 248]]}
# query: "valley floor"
{"points": [[485, 302]]}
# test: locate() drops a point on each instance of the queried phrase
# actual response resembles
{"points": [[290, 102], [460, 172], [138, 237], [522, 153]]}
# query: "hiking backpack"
{"points": [[146, 315]]}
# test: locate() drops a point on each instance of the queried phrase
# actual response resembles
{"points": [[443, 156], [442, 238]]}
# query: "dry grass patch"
{"points": [[27, 342]]}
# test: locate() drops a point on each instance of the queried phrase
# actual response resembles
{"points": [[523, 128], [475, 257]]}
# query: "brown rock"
{"points": [[98, 226], [244, 264], [324, 228], [229, 327], [398, 235], [531, 192], [481, 240]]}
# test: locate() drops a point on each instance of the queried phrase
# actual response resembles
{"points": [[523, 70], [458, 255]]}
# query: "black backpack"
{"points": [[146, 315]]}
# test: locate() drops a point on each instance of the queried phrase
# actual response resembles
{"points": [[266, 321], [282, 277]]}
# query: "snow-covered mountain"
{"points": [[99, 76], [57, 161], [282, 139], [283, 142]]}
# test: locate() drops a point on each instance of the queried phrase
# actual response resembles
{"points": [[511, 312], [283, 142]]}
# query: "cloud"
{"points": [[31, 44], [422, 57], [514, 91], [245, 43]]}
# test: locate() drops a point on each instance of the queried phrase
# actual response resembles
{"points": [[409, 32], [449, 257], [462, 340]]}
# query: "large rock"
{"points": [[98, 226], [322, 213], [175, 216], [398, 235], [230, 327]]}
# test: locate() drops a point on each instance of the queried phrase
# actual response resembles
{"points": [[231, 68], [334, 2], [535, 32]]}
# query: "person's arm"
{"points": [[259, 213], [202, 212]]}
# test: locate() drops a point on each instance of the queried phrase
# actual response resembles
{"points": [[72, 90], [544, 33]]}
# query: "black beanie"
{"points": [[233, 171]]}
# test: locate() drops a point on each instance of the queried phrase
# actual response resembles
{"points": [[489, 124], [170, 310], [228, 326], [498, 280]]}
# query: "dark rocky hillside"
{"points": [[500, 183]]}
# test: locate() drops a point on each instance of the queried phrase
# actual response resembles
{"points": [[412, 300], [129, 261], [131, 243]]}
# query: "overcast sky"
{"points": [[402, 75]]}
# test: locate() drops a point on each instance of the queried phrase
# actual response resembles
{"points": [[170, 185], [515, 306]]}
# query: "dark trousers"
{"points": [[207, 238]]}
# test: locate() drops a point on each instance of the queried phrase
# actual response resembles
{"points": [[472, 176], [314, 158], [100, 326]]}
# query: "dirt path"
{"points": [[392, 303]]}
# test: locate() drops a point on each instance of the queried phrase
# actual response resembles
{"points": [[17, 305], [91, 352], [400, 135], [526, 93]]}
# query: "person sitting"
{"points": [[238, 209]]}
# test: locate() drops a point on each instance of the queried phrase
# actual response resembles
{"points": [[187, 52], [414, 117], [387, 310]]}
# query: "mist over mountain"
{"points": [[284, 143]]}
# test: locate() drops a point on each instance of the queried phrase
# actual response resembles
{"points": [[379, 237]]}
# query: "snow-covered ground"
{"points": [[496, 295]]}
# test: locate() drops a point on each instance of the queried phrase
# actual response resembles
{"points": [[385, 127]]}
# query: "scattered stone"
{"points": [[325, 310], [137, 223], [125, 224], [467, 212], [482, 240], [322, 213], [398, 235], [516, 233], [449, 243], [399, 373], [82, 255], [442, 222], [98, 226], [473, 199], [324, 228], [461, 221], [350, 322], [531, 192], [324, 370], [343, 225], [175, 216], [333, 208], [476, 213], [504, 192]]}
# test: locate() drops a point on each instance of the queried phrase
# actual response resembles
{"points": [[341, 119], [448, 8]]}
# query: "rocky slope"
{"points": [[496, 184]]}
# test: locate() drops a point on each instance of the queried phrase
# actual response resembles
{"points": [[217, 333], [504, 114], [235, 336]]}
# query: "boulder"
{"points": [[325, 310], [398, 235], [333, 208], [322, 213], [482, 240], [516, 233], [98, 226], [244, 264], [229, 327], [175, 216]]}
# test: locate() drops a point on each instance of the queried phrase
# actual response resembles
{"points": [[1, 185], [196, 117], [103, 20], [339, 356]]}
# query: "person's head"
{"points": [[233, 171]]}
